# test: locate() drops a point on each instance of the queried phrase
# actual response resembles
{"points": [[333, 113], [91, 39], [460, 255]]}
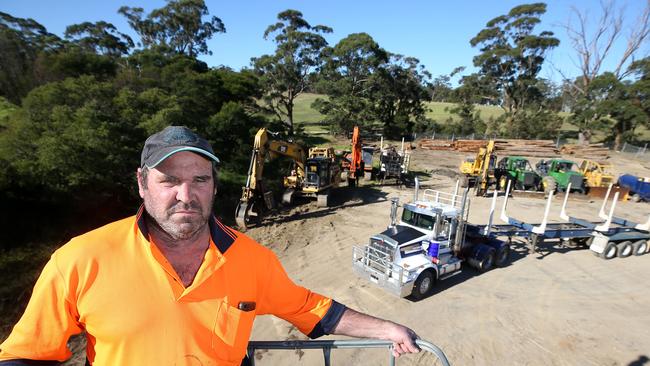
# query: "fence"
{"points": [[636, 151]]}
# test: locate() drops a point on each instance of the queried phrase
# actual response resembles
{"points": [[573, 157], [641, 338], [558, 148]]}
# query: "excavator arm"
{"points": [[356, 161], [255, 197]]}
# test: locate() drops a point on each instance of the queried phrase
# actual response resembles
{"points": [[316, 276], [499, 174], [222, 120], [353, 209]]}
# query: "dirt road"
{"points": [[559, 306]]}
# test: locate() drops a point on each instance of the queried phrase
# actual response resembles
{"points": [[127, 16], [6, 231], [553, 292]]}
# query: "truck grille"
{"points": [[380, 254]]}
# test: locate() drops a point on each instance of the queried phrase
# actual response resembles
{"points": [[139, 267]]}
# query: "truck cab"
{"points": [[427, 244]]}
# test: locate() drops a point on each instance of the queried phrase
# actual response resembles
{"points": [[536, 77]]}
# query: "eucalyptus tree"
{"points": [[348, 80], [177, 27], [286, 73], [511, 57]]}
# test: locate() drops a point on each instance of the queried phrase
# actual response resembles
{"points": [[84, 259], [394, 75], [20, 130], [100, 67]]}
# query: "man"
{"points": [[172, 285]]}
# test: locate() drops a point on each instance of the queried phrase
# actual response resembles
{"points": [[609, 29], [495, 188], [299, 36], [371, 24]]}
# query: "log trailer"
{"points": [[428, 244], [608, 238]]}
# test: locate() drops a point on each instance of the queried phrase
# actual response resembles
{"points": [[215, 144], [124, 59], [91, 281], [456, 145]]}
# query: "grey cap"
{"points": [[171, 140]]}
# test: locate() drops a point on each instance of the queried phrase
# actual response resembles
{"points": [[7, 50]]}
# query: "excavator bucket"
{"points": [[601, 192]]}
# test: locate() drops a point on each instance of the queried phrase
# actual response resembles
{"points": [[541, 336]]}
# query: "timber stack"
{"points": [[528, 148], [594, 152]]}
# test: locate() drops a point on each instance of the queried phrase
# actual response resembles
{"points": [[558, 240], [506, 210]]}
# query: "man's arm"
{"points": [[356, 324]]}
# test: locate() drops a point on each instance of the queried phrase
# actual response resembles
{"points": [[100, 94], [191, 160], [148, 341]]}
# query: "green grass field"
{"points": [[438, 112]]}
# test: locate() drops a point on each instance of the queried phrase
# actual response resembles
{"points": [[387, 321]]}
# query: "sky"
{"points": [[437, 32]]}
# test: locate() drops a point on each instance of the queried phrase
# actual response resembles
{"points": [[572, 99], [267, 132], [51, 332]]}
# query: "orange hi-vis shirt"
{"points": [[114, 284]]}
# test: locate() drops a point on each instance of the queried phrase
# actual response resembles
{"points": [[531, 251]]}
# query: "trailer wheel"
{"points": [[423, 285], [486, 263], [624, 249], [639, 247], [502, 255], [610, 251], [636, 197]]}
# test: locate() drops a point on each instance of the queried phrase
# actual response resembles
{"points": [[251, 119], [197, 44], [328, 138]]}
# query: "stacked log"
{"points": [[513, 147], [429, 144], [526, 148], [592, 151]]}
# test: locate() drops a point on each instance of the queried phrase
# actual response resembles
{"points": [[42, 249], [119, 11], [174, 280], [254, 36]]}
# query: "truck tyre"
{"points": [[636, 197], [624, 249], [639, 247], [423, 285], [503, 183], [486, 263], [502, 255], [610, 251], [549, 185]]}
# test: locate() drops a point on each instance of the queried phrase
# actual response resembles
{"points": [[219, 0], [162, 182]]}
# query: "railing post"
{"points": [[327, 353]]}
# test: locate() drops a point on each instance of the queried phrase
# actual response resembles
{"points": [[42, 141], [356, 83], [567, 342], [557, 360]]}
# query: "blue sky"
{"points": [[437, 32]]}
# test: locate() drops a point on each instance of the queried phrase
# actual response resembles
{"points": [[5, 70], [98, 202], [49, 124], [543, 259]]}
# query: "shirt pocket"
{"points": [[232, 329]]}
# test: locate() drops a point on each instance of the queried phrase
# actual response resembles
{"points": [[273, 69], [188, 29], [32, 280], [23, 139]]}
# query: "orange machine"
{"points": [[356, 163]]}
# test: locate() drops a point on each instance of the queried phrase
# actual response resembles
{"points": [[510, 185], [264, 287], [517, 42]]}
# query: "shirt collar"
{"points": [[222, 236]]}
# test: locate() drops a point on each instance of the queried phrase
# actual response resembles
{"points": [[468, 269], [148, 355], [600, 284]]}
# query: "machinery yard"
{"points": [[557, 306]]}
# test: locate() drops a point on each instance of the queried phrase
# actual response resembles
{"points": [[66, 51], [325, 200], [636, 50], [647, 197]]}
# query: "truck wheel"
{"points": [[636, 197], [610, 251], [423, 285], [549, 185], [503, 183], [486, 263], [502, 255], [624, 249], [639, 247]]}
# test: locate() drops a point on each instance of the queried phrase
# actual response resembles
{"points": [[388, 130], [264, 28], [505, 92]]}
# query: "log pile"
{"points": [[526, 148], [592, 151], [429, 144]]}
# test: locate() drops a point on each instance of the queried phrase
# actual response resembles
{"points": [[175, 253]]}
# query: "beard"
{"points": [[184, 227]]}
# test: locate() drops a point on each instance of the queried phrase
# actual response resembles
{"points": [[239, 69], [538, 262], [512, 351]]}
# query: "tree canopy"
{"points": [[286, 74]]}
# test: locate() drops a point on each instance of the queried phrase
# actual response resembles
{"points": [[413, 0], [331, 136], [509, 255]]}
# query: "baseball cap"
{"points": [[171, 140]]}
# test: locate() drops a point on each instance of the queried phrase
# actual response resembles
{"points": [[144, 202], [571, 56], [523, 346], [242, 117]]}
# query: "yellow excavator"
{"points": [[311, 176], [480, 171]]}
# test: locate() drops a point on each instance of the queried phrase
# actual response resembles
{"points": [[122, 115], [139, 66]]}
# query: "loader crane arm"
{"points": [[255, 196]]}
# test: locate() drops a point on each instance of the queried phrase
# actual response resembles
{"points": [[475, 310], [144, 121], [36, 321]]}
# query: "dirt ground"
{"points": [[558, 306]]}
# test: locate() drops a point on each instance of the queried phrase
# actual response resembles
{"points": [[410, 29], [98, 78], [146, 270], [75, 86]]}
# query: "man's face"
{"points": [[179, 193]]}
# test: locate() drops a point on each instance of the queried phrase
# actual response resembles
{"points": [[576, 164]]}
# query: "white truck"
{"points": [[428, 244]]}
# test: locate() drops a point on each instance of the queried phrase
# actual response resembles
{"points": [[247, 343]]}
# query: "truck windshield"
{"points": [[565, 166], [416, 219]]}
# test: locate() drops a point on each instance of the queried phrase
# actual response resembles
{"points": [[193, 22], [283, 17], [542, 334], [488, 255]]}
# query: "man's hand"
{"points": [[403, 340], [356, 324]]}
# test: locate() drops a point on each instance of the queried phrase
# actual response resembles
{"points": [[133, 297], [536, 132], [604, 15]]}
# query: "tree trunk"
{"points": [[618, 140], [290, 117]]}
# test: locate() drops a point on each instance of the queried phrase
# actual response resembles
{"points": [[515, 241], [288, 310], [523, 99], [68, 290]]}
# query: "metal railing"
{"points": [[327, 346]]}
